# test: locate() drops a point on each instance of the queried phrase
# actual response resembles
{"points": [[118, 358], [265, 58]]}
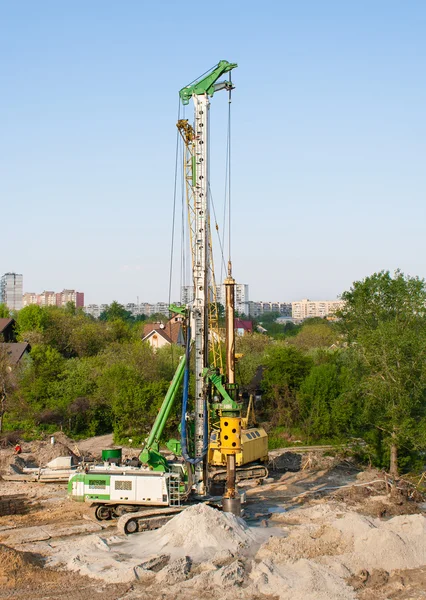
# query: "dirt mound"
{"points": [[288, 461], [47, 452], [17, 566], [376, 499]]}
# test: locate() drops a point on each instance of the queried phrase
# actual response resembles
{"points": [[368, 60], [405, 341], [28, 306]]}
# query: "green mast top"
{"points": [[207, 84]]}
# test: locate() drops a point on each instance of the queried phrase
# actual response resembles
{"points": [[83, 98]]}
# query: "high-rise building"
{"points": [[11, 286], [62, 298]]}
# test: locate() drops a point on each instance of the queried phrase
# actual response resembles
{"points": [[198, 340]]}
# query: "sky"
{"points": [[328, 142]]}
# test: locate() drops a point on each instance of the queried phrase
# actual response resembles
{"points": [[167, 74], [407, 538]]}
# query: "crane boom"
{"points": [[207, 84]]}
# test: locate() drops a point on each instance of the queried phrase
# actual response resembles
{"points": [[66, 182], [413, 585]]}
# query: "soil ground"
{"points": [[22, 570]]}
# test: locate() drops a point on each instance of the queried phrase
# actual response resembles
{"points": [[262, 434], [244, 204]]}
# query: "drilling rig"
{"points": [[213, 446]]}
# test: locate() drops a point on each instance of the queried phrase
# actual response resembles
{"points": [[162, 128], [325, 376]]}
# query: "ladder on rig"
{"points": [[174, 490]]}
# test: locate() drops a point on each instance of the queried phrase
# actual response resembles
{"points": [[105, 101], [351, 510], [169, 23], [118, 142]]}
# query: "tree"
{"points": [[285, 369], [252, 350], [7, 384], [4, 311], [315, 334], [32, 318], [115, 311], [384, 319]]}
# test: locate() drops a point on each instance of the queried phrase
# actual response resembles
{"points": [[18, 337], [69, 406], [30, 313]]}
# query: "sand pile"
{"points": [[200, 531], [321, 552]]}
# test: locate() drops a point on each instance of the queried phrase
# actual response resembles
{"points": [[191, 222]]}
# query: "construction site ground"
{"points": [[296, 547]]}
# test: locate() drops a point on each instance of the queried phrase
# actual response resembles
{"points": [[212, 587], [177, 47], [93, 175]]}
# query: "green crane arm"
{"points": [[150, 454], [207, 84]]}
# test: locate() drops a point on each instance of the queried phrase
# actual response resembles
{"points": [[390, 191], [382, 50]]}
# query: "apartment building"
{"points": [[49, 298], [11, 286], [62, 298], [257, 309], [305, 309]]}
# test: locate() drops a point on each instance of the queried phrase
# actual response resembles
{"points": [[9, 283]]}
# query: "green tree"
{"points": [[44, 370], [32, 318], [7, 384], [314, 334], [4, 311], [285, 369], [317, 396], [384, 319], [115, 311], [251, 351]]}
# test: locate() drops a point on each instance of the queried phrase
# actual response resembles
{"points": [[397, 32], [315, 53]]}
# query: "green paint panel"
{"points": [[194, 171], [97, 497]]}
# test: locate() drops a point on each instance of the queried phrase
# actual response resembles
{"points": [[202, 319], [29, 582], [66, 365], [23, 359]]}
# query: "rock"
{"points": [[142, 574], [230, 575], [288, 461], [222, 558], [175, 572], [155, 563]]}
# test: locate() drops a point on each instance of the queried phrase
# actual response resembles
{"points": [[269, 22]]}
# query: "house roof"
{"points": [[160, 332], [170, 330], [241, 324], [5, 323], [15, 351]]}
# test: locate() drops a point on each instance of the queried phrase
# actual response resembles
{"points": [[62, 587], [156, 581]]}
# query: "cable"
{"points": [[199, 76], [173, 226], [222, 252], [227, 200], [229, 166]]}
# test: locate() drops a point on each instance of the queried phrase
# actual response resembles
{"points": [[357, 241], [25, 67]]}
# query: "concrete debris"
{"points": [[175, 572], [230, 575], [156, 563], [222, 558]]}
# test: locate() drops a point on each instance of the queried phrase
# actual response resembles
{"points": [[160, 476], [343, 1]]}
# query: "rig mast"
{"points": [[197, 176]]}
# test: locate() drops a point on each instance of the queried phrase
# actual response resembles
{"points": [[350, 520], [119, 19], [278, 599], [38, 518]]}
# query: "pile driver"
{"points": [[212, 431]]}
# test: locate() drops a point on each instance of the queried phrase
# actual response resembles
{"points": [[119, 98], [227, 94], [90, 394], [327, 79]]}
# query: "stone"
{"points": [[230, 575], [175, 572]]}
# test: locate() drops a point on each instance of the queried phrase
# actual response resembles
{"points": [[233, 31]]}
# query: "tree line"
{"points": [[360, 379]]}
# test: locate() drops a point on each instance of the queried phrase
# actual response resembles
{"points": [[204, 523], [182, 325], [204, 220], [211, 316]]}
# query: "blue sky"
{"points": [[329, 141]]}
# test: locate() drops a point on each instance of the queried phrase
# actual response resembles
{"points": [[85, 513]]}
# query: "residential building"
{"points": [[306, 309], [7, 330], [16, 353], [49, 298], [257, 309], [29, 298], [93, 309], [242, 327], [159, 335], [66, 296], [11, 286]]}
